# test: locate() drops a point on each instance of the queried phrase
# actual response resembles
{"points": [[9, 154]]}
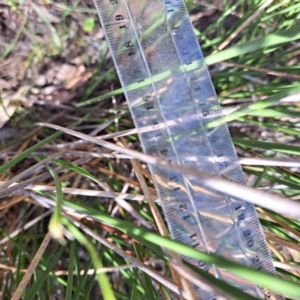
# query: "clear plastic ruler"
{"points": [[175, 109]]}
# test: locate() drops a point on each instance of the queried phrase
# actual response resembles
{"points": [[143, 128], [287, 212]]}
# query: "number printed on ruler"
{"points": [[176, 112]]}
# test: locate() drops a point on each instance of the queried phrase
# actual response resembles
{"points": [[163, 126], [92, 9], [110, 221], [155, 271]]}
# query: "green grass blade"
{"points": [[81, 279], [15, 40], [100, 98], [77, 169], [271, 126], [35, 147], [70, 271], [268, 146], [25, 153], [104, 284], [147, 279], [55, 226], [261, 104], [147, 237], [273, 39], [275, 113], [44, 275], [55, 36]]}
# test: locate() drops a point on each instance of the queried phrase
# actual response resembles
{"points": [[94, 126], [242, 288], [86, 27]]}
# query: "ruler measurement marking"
{"points": [[116, 22], [172, 145], [206, 107]]}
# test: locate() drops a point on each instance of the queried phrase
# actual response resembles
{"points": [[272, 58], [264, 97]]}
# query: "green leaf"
{"points": [[89, 24]]}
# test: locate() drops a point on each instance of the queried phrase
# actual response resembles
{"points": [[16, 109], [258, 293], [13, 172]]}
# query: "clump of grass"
{"points": [[102, 212]]}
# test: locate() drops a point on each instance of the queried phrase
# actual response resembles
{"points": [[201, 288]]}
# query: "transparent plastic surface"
{"points": [[175, 109]]}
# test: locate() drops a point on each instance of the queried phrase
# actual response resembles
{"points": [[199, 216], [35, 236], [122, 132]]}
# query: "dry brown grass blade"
{"points": [[257, 161], [282, 258], [286, 266], [263, 70], [73, 191], [157, 217], [187, 287], [25, 227], [281, 223], [96, 224], [49, 203], [196, 279], [128, 207], [31, 169], [11, 202], [21, 287], [277, 239], [20, 186], [82, 272], [274, 202], [132, 183]]}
